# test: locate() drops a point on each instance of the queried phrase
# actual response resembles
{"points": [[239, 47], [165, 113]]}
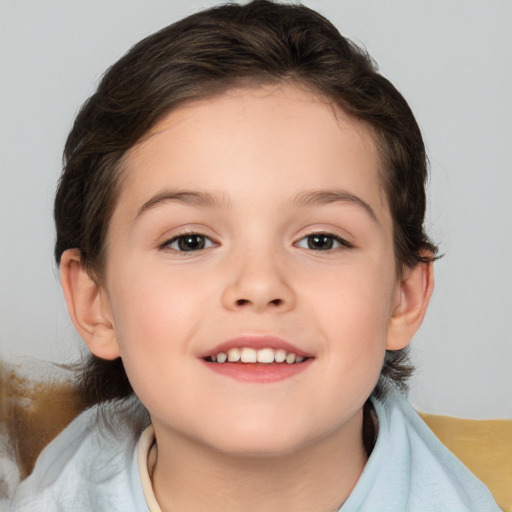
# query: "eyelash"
{"points": [[328, 237], [168, 243], [343, 243]]}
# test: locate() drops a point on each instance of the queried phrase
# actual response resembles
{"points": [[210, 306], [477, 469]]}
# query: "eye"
{"points": [[323, 242], [188, 242]]}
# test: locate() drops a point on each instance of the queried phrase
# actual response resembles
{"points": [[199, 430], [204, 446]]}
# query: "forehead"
{"points": [[284, 137]]}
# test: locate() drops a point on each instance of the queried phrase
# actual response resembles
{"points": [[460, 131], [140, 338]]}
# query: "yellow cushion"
{"points": [[483, 446]]}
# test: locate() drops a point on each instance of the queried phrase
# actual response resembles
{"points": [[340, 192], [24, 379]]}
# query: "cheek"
{"points": [[153, 326], [358, 300], [352, 311], [151, 313]]}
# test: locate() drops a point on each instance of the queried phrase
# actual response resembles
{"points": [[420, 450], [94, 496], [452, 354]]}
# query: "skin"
{"points": [[295, 444]]}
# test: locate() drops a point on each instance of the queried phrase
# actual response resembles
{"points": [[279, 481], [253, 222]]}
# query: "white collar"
{"points": [[146, 459]]}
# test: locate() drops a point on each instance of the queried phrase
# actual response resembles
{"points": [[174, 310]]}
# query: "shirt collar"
{"points": [[146, 459]]}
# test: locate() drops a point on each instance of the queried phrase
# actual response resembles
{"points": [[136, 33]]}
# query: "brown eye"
{"points": [[320, 242], [323, 242], [189, 242]]}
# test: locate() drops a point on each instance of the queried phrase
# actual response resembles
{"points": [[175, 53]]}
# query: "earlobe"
{"points": [[413, 298], [88, 306]]}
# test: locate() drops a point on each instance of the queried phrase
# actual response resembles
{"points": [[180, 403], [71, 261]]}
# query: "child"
{"points": [[241, 246]]}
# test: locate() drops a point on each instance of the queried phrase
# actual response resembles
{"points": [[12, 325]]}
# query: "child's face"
{"points": [[286, 238]]}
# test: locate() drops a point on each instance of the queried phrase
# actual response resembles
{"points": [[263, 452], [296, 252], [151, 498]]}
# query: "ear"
{"points": [[411, 302], [88, 306]]}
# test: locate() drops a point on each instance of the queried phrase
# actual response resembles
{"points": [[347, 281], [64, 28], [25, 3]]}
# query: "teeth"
{"points": [[250, 355], [290, 358], [233, 355], [280, 355], [265, 355]]}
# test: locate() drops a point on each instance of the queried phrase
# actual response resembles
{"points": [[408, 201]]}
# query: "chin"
{"points": [[257, 441]]}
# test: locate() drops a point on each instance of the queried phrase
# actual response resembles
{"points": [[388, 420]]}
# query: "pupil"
{"points": [[191, 243], [322, 242]]}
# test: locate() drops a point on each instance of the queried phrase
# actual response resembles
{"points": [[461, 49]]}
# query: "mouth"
{"points": [[249, 355], [257, 359]]}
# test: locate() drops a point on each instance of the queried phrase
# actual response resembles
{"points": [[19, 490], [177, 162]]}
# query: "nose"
{"points": [[258, 283]]}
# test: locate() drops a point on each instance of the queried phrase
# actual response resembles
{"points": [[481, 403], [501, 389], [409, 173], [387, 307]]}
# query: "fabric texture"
{"points": [[92, 468], [410, 470]]}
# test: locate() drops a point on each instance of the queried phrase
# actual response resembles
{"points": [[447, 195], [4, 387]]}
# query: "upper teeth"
{"points": [[250, 355]]}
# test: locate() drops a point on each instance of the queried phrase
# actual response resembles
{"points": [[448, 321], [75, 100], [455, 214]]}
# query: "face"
{"points": [[253, 223]]}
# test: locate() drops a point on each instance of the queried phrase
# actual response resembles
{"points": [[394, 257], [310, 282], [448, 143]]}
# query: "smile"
{"points": [[257, 359], [251, 355]]}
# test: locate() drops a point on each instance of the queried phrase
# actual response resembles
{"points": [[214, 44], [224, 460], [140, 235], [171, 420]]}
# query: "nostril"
{"points": [[245, 302]]}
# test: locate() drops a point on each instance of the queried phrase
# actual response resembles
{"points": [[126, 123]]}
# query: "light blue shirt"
{"points": [[92, 468], [410, 470]]}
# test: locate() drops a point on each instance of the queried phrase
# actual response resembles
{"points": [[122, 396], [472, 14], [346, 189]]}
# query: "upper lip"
{"points": [[256, 342]]}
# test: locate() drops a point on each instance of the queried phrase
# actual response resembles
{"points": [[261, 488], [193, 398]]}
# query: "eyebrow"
{"points": [[210, 200], [195, 198], [321, 197]]}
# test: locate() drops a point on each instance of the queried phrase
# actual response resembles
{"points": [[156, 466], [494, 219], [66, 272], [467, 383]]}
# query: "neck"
{"points": [[319, 477]]}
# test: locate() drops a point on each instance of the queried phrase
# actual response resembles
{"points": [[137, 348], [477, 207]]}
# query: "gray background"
{"points": [[452, 61]]}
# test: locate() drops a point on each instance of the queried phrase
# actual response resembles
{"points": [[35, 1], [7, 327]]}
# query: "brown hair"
{"points": [[206, 54]]}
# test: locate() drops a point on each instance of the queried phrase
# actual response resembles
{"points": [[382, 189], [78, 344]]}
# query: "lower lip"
{"points": [[259, 373]]}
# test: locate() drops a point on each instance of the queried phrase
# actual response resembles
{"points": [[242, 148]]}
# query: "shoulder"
{"points": [[410, 470], [91, 465]]}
